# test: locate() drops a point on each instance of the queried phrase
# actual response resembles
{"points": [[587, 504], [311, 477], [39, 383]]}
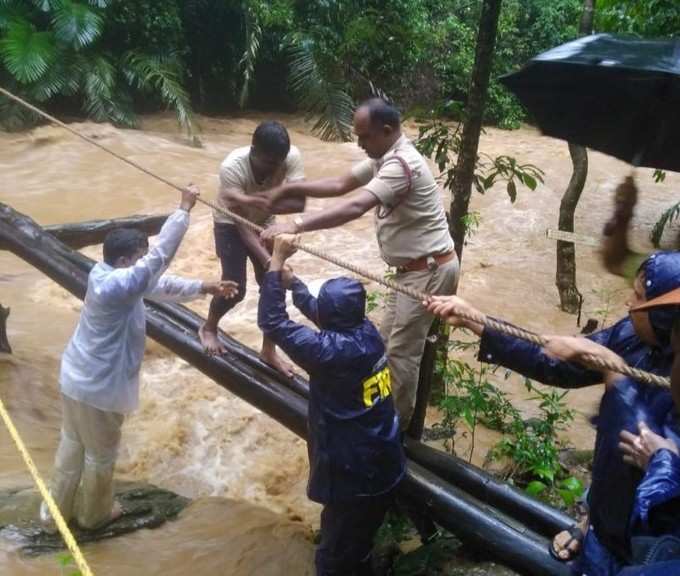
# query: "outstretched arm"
{"points": [[177, 289], [321, 188], [337, 215], [135, 280], [301, 343], [550, 366]]}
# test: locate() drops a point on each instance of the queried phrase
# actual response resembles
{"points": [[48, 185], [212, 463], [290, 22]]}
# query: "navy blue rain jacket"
{"points": [[624, 502], [354, 442]]}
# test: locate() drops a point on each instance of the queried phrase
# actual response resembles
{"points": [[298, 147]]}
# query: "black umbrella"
{"points": [[618, 95]]}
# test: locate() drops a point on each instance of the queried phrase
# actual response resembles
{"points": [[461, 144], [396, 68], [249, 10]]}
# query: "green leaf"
{"points": [[544, 472], [535, 487], [659, 176], [27, 53], [529, 181], [512, 190], [666, 219], [76, 24], [572, 484], [321, 93], [162, 75], [253, 37], [43, 5]]}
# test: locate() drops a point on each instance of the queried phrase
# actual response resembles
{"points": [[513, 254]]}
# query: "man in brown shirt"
{"points": [[411, 230], [246, 176]]}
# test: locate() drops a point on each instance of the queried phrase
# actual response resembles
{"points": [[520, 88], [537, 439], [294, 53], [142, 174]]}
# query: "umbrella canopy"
{"points": [[617, 95]]}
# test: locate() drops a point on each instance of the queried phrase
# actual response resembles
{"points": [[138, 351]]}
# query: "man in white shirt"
{"points": [[411, 228], [100, 367], [246, 176]]}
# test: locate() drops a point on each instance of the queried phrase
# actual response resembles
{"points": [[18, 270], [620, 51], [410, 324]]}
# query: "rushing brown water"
{"points": [[247, 473]]}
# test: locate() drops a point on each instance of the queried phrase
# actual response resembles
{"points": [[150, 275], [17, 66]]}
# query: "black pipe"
{"points": [[543, 518], [480, 524]]}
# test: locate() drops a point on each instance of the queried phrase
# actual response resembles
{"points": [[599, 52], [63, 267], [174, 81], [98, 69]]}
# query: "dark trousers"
{"points": [[347, 533], [233, 255]]}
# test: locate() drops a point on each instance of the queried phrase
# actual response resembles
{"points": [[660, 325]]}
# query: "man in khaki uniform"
{"points": [[411, 229]]}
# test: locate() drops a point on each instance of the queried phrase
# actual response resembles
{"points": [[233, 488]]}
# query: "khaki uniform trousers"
{"points": [[404, 329], [82, 483]]}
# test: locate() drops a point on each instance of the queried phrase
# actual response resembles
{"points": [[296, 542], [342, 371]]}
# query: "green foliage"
{"points": [[667, 218], [321, 92], [252, 48], [68, 565], [374, 301], [26, 52], [441, 141], [525, 28], [323, 55], [530, 445], [59, 48], [647, 18]]}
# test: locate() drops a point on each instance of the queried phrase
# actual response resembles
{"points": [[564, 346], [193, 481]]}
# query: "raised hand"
{"points": [[225, 288], [190, 195]]}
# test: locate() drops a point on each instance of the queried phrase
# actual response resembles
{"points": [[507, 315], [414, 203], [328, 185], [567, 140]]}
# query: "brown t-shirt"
{"points": [[416, 223]]}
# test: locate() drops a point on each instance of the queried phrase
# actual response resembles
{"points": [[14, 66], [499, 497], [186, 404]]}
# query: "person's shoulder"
{"points": [[294, 155], [236, 157]]}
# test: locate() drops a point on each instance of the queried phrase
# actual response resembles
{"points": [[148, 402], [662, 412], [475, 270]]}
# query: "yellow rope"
{"points": [[63, 528], [591, 361]]}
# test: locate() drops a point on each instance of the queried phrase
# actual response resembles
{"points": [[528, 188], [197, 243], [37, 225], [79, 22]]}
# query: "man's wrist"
{"points": [[299, 223], [276, 264]]}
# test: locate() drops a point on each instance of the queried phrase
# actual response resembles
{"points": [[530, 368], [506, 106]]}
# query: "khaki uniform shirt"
{"points": [[236, 172], [416, 224]]}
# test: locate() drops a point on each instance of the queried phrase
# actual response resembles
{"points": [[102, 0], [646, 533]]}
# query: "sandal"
{"points": [[575, 535]]}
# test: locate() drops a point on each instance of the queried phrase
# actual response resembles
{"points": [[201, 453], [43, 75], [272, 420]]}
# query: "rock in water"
{"points": [[144, 506]]}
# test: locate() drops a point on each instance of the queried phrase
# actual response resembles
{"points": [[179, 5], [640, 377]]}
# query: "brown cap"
{"points": [[671, 298]]}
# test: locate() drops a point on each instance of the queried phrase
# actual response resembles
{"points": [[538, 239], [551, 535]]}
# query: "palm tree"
{"points": [[50, 48]]}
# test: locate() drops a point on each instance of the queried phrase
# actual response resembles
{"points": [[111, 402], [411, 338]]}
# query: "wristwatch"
{"points": [[298, 221]]}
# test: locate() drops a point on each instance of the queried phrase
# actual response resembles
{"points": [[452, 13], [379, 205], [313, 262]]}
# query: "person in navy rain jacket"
{"points": [[634, 500], [355, 453]]}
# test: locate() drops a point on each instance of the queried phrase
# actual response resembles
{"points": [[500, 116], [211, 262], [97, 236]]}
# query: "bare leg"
{"points": [[270, 356], [232, 254], [207, 333]]}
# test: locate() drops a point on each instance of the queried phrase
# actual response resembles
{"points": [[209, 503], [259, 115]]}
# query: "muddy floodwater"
{"points": [[246, 473]]}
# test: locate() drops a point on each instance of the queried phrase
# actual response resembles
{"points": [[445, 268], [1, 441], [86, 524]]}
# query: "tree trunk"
{"points": [[565, 276], [464, 171], [474, 112], [91, 232], [565, 273], [4, 342]]}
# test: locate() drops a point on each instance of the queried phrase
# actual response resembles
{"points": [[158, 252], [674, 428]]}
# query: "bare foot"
{"points": [[116, 513], [567, 544], [211, 343], [274, 360]]}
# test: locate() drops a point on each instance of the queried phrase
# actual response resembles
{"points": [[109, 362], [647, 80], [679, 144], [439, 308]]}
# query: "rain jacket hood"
{"points": [[341, 304], [662, 274]]}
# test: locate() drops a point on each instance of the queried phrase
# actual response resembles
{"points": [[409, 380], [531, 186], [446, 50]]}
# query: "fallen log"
{"points": [[4, 341], [470, 518], [80, 234]]}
